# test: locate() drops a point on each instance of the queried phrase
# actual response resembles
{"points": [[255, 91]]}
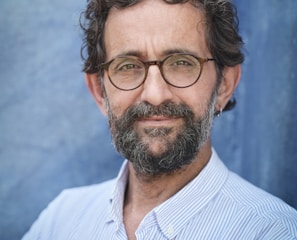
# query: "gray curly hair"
{"points": [[222, 34]]}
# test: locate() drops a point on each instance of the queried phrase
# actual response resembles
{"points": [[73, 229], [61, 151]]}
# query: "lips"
{"points": [[157, 118], [157, 121]]}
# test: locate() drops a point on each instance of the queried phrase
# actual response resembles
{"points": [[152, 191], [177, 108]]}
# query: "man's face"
{"points": [[158, 127]]}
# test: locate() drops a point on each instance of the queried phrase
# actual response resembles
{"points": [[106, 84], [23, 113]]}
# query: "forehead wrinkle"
{"points": [[152, 31]]}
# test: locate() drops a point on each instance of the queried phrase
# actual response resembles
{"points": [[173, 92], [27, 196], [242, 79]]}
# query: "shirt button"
{"points": [[170, 230]]}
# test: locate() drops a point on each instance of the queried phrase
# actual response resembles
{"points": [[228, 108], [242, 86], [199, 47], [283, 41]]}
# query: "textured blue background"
{"points": [[52, 136]]}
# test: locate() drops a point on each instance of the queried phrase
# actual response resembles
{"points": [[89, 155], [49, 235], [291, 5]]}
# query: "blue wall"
{"points": [[52, 136]]}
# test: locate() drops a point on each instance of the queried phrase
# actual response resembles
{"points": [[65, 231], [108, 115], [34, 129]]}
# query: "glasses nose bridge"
{"points": [[152, 63], [148, 64]]}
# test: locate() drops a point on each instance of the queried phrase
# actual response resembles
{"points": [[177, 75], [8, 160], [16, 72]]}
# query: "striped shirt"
{"points": [[217, 204]]}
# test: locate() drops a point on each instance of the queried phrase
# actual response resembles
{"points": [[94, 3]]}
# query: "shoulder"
{"points": [[80, 200], [73, 208], [267, 213], [87, 193]]}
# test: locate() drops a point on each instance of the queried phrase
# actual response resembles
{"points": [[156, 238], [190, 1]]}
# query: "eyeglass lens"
{"points": [[180, 70]]}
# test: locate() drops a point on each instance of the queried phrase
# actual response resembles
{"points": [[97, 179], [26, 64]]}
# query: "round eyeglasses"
{"points": [[178, 70]]}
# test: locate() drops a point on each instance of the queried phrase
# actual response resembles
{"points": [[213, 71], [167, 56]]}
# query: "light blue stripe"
{"points": [[217, 204]]}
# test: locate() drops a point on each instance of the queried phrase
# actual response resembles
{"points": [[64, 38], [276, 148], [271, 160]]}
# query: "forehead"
{"points": [[153, 27]]}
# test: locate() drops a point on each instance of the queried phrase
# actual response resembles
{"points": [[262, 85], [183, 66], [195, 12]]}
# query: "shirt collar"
{"points": [[174, 213], [117, 195], [183, 205]]}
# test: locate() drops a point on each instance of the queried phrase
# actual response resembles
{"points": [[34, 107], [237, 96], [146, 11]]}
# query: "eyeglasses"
{"points": [[178, 70]]}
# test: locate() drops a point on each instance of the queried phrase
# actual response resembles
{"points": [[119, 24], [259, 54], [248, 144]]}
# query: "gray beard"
{"points": [[176, 153]]}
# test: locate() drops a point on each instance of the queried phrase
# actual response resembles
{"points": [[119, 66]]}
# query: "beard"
{"points": [[176, 152]]}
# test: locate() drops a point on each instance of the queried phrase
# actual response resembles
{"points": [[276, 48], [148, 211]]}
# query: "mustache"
{"points": [[145, 109], [166, 109]]}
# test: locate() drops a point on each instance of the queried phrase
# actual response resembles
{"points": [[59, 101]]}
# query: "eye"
{"points": [[126, 65], [182, 62]]}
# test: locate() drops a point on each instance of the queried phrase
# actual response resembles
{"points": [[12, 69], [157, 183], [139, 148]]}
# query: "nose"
{"points": [[155, 90]]}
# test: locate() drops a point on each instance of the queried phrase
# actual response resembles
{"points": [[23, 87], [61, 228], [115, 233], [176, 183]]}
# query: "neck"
{"points": [[146, 192]]}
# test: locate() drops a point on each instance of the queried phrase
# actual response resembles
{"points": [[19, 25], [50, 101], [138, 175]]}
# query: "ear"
{"points": [[230, 79], [92, 81]]}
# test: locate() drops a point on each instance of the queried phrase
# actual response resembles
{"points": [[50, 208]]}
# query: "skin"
{"points": [[151, 30]]}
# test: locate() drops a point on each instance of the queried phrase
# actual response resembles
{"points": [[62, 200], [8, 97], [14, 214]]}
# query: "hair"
{"points": [[222, 34]]}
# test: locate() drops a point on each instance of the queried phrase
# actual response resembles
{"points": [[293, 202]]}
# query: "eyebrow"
{"points": [[130, 53], [165, 53], [179, 50]]}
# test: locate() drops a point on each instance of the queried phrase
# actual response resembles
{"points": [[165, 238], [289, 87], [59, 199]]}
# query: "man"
{"points": [[161, 70]]}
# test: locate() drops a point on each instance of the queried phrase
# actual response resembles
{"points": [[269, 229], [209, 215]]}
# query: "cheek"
{"points": [[119, 101], [199, 97], [196, 97], [198, 104]]}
